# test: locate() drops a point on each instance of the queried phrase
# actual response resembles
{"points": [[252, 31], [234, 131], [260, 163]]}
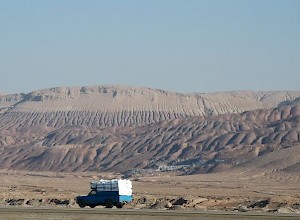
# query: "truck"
{"points": [[108, 193]]}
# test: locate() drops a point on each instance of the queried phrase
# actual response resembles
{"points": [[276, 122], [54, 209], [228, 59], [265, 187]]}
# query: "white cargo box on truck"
{"points": [[124, 187]]}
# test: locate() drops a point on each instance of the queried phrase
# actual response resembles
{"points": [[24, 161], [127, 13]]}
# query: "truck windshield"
{"points": [[93, 192]]}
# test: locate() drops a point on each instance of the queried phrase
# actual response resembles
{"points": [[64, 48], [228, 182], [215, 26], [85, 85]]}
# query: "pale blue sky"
{"points": [[184, 46]]}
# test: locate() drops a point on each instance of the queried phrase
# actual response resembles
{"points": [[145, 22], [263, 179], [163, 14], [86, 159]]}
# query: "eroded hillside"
{"points": [[189, 141], [106, 106]]}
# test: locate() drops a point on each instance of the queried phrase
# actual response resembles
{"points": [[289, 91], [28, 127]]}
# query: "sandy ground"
{"points": [[16, 213], [238, 191]]}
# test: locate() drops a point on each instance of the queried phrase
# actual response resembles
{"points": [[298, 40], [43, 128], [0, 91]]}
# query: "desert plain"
{"points": [[234, 191]]}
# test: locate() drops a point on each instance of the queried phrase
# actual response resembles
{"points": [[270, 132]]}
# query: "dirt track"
{"points": [[9, 213]]}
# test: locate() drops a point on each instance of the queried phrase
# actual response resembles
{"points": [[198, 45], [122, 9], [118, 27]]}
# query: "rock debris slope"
{"points": [[130, 129]]}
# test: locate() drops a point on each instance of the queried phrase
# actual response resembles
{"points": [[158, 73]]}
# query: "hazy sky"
{"points": [[184, 46]]}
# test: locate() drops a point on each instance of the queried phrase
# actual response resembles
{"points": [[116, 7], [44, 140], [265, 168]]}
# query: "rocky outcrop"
{"points": [[172, 203]]}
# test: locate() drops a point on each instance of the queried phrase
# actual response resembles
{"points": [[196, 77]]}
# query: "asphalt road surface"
{"points": [[14, 213]]}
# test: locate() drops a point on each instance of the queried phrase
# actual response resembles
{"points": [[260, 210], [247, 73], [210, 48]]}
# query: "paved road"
{"points": [[14, 213]]}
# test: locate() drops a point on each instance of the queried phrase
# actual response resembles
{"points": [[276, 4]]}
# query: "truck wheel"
{"points": [[92, 206], [81, 203], [120, 205], [109, 204]]}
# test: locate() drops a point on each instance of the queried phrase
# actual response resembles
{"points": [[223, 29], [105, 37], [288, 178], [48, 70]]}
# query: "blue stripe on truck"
{"points": [[123, 198]]}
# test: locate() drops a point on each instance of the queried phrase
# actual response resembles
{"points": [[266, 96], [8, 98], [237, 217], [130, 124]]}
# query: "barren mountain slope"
{"points": [[191, 144], [286, 159], [96, 106]]}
